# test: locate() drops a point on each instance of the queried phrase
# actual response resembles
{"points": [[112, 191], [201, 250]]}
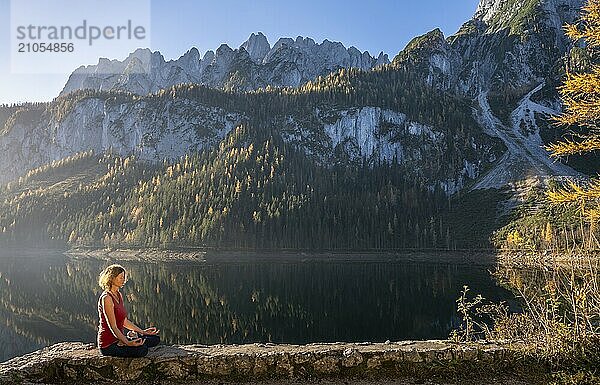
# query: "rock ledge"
{"points": [[70, 362]]}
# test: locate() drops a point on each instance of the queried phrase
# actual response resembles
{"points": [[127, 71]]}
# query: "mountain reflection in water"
{"points": [[47, 298]]}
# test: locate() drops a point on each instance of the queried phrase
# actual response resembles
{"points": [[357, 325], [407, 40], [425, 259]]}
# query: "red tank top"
{"points": [[107, 336]]}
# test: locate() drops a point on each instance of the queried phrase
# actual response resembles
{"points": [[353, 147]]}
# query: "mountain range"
{"points": [[255, 64], [449, 114]]}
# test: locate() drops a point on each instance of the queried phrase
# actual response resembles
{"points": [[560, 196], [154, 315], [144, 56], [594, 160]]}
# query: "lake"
{"points": [[47, 297]]}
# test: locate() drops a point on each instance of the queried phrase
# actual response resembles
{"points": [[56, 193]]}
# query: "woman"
{"points": [[113, 320]]}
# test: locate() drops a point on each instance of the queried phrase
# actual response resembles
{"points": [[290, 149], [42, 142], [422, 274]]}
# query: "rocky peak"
{"points": [[283, 42], [306, 42], [489, 9], [209, 56], [512, 44], [353, 51], [433, 39], [423, 47], [331, 44], [142, 54], [145, 58], [190, 60], [517, 15], [224, 51], [104, 66], [382, 59], [257, 47]]}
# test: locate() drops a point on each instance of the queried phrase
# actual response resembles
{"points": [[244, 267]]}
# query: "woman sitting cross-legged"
{"points": [[113, 320]]}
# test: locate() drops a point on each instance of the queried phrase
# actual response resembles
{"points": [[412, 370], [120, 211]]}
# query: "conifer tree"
{"points": [[580, 94]]}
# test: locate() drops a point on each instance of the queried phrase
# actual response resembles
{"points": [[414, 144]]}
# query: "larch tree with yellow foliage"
{"points": [[580, 94]]}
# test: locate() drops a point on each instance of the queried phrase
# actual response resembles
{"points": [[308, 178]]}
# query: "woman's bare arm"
{"points": [[131, 326]]}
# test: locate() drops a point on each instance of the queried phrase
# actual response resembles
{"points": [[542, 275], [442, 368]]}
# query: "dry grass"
{"points": [[559, 322]]}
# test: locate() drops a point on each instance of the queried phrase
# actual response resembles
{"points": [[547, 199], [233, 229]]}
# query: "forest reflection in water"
{"points": [[47, 298]]}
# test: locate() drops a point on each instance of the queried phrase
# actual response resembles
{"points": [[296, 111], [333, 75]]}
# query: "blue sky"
{"points": [[176, 26]]}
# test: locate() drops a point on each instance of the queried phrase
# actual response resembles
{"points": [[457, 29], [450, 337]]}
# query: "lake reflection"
{"points": [[50, 298]]}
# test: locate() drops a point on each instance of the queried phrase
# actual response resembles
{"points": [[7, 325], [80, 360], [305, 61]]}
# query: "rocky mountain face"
{"points": [[255, 64], [508, 58], [507, 43], [153, 132], [503, 62], [167, 127]]}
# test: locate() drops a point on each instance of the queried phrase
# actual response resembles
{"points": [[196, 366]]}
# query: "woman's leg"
{"points": [[151, 340], [116, 350]]}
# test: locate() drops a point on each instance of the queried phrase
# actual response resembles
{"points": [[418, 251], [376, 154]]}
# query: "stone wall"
{"points": [[79, 363]]}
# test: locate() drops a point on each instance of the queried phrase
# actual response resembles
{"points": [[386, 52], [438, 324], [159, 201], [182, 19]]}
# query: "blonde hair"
{"points": [[107, 275]]}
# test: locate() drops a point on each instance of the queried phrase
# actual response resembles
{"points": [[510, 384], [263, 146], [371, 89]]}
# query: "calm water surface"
{"points": [[49, 297]]}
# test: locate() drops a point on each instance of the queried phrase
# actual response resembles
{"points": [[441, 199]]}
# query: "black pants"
{"points": [[115, 350]]}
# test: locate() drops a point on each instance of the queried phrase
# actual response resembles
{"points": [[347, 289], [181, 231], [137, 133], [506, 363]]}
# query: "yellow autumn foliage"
{"points": [[580, 94]]}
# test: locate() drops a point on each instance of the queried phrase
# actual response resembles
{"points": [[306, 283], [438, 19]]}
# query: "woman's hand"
{"points": [[136, 342], [131, 335], [151, 331]]}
